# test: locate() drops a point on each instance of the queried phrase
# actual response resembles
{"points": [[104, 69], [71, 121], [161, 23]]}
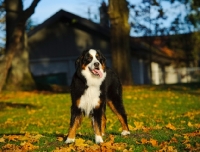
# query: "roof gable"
{"points": [[82, 22]]}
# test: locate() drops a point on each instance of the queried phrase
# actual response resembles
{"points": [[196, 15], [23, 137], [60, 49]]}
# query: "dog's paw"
{"points": [[98, 139], [70, 140], [125, 132]]}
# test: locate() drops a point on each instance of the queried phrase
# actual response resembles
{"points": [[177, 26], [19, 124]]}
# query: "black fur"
{"points": [[111, 92]]}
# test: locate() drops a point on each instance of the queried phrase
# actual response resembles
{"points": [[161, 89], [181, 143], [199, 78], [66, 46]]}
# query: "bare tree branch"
{"points": [[29, 11]]}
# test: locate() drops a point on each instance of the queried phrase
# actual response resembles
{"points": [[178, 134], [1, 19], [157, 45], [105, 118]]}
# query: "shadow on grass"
{"points": [[4, 105], [53, 88]]}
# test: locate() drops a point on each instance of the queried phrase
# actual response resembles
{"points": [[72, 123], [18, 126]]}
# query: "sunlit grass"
{"points": [[160, 118]]}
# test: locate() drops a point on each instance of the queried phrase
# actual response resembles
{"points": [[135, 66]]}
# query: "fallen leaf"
{"points": [[59, 138], [171, 149], [192, 134], [138, 125], [2, 140], [190, 124], [28, 146], [144, 141], [12, 137], [80, 142], [174, 140], [170, 126], [131, 127], [119, 146], [10, 147], [188, 146], [154, 142]]}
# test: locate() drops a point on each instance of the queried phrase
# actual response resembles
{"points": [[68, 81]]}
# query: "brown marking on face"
{"points": [[83, 66], [72, 130], [124, 126], [103, 66], [97, 56]]}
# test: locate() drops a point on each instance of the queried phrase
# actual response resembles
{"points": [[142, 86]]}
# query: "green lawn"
{"points": [[161, 118]]}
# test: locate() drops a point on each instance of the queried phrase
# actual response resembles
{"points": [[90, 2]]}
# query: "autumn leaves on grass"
{"points": [[159, 120]]}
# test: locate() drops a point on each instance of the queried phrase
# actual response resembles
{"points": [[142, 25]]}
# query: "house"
{"points": [[56, 43]]}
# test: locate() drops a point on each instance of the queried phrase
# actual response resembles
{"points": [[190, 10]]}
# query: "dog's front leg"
{"points": [[96, 121], [75, 121]]}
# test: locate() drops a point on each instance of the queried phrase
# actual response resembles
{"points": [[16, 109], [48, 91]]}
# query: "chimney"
{"points": [[104, 19]]}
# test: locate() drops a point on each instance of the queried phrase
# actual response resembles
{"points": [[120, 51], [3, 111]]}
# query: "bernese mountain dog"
{"points": [[93, 86]]}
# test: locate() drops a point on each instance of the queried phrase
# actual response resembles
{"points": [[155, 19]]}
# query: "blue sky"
{"points": [[47, 8]]}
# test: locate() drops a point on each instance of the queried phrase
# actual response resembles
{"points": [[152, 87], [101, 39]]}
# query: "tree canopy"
{"points": [[164, 17]]}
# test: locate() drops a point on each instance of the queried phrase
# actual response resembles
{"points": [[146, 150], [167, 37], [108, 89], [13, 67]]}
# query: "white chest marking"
{"points": [[90, 99]]}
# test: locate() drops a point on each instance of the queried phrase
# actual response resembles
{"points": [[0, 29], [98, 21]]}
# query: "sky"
{"points": [[47, 8]]}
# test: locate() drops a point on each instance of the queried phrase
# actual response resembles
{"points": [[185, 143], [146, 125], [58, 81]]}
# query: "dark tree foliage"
{"points": [[169, 17], [165, 17]]}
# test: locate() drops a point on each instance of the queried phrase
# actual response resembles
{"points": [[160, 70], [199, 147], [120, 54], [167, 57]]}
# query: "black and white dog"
{"points": [[93, 86]]}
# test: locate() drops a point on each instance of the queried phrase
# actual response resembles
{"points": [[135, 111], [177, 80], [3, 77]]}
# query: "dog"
{"points": [[93, 86]]}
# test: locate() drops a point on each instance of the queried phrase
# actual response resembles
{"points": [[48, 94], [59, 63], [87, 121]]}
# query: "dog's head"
{"points": [[92, 62]]}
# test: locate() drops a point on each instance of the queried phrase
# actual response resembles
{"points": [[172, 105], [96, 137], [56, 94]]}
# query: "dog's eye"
{"points": [[89, 58], [98, 57]]}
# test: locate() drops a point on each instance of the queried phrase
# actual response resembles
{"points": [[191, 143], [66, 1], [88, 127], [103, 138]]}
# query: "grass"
{"points": [[161, 118]]}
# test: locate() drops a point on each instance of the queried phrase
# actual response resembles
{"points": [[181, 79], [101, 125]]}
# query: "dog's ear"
{"points": [[103, 58], [78, 61]]}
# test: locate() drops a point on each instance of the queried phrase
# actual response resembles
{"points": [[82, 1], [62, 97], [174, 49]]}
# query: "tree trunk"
{"points": [[15, 65], [120, 40], [5, 64], [19, 75]]}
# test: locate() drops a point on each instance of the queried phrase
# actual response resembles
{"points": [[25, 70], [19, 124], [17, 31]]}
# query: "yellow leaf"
{"points": [[59, 138], [188, 146], [138, 125], [197, 126], [38, 136], [144, 141], [12, 137], [131, 127], [170, 126], [171, 148], [158, 127], [108, 146], [80, 142], [112, 138], [128, 97], [120, 146], [2, 140], [28, 146], [154, 142], [10, 147], [190, 124]]}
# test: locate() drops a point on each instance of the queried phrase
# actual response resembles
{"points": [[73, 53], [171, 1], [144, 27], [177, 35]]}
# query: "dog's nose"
{"points": [[96, 64]]}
